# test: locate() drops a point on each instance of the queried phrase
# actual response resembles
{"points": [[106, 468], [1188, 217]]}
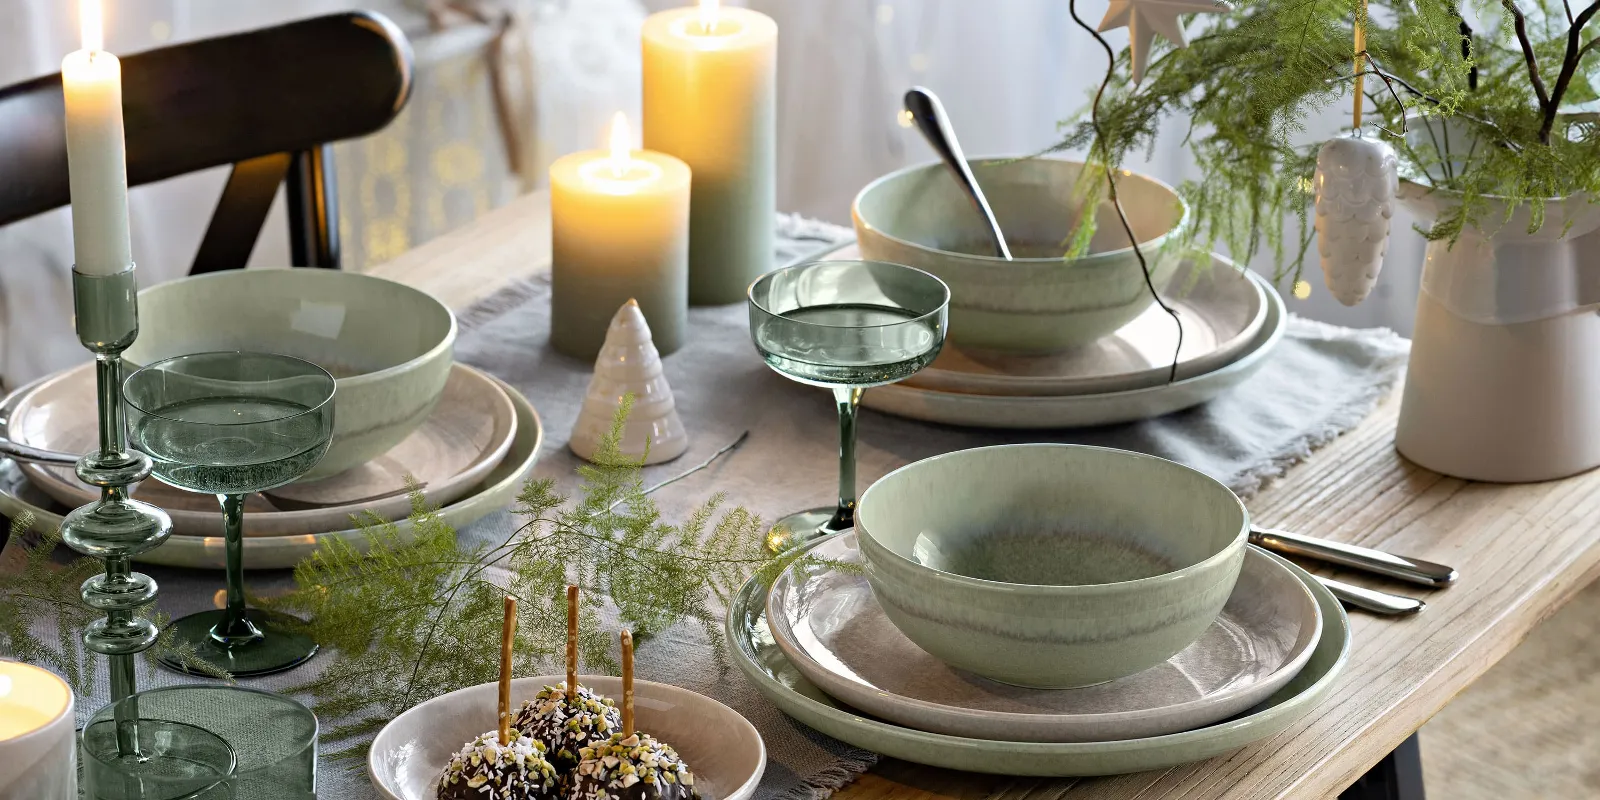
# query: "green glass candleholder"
{"points": [[115, 528]]}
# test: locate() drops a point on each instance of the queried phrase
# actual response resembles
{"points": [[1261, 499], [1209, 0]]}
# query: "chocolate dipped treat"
{"points": [[485, 769], [630, 765], [566, 726]]}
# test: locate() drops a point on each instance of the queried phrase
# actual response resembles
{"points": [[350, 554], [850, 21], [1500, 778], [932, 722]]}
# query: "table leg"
{"points": [[1397, 777]]}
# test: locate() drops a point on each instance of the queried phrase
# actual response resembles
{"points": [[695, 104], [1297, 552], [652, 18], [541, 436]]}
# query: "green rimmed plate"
{"points": [[764, 664], [496, 491]]}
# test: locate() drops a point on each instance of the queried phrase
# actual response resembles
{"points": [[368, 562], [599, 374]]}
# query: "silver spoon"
{"points": [[928, 113]]}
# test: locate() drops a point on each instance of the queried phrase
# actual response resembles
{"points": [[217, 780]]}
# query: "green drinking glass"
{"points": [[229, 424], [845, 326], [271, 742]]}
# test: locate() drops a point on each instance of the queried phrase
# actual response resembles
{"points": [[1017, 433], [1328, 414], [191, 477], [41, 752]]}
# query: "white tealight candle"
{"points": [[91, 80], [37, 739], [710, 98], [619, 222]]}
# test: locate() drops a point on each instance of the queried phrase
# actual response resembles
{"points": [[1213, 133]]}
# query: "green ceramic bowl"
{"points": [[1039, 302], [1049, 565], [389, 346]]}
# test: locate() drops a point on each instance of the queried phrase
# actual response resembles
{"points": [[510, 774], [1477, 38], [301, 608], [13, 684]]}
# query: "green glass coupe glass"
{"points": [[845, 326], [230, 424]]}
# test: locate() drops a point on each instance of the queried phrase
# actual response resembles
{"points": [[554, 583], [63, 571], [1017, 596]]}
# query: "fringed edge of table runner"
{"points": [[1301, 448]]}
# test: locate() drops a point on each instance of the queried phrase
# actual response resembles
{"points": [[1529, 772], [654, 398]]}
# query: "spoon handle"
{"points": [[1404, 568], [1383, 603], [22, 452], [928, 113]]}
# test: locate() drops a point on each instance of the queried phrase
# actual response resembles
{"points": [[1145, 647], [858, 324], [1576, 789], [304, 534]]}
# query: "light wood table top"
{"points": [[1522, 550]]}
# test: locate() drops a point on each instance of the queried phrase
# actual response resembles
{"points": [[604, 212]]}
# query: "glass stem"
{"points": [[848, 399], [235, 629]]}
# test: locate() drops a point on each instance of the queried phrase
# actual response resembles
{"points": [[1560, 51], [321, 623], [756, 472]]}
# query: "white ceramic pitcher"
{"points": [[1504, 380]]}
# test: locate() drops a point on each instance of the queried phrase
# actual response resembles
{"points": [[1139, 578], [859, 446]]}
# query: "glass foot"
{"points": [[172, 760], [802, 527], [277, 650]]}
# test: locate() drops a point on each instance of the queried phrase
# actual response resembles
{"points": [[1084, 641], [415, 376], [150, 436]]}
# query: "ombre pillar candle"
{"points": [[619, 222], [710, 99]]}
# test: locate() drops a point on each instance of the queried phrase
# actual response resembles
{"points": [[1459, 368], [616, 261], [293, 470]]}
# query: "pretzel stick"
{"points": [[572, 644], [508, 632], [627, 684]]}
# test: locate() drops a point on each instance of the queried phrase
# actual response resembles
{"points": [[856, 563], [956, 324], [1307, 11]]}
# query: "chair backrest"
{"points": [[268, 101]]}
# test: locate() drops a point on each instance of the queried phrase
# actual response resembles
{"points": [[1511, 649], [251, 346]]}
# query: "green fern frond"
{"points": [[405, 621]]}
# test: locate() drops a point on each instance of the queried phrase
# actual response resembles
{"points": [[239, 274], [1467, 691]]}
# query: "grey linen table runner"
{"points": [[1321, 381]]}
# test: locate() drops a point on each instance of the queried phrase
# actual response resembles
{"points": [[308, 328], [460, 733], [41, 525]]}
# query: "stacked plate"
{"points": [[820, 647], [469, 458], [1231, 321]]}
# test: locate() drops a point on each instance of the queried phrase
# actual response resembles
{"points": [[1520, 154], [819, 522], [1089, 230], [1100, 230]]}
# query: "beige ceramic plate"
{"points": [[1221, 308], [752, 650], [1086, 410], [496, 491], [832, 629], [468, 433], [722, 749]]}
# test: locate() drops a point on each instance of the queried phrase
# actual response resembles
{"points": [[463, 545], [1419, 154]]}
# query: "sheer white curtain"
{"points": [[1008, 70]]}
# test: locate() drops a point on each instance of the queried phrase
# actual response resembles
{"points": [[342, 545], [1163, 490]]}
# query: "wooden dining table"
{"points": [[1522, 551]]}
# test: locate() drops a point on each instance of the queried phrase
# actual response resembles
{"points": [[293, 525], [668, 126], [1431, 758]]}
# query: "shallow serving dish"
{"points": [[389, 346], [722, 749], [1039, 302], [1051, 565], [834, 632], [751, 648]]}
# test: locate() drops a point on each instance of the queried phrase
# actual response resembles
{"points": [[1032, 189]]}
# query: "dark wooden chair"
{"points": [[270, 102]]}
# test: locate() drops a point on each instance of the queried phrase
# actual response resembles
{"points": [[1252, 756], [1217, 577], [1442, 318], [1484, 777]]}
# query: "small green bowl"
{"points": [[1040, 302], [390, 347], [1049, 565]]}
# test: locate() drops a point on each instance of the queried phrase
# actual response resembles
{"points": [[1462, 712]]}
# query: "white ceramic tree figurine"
{"points": [[628, 363]]}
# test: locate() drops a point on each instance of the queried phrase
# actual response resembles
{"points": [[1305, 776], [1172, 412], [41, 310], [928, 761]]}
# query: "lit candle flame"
{"points": [[91, 20], [708, 15], [619, 145]]}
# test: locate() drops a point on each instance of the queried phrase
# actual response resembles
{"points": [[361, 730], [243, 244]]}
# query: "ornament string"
{"points": [[1361, 75], [1111, 183]]}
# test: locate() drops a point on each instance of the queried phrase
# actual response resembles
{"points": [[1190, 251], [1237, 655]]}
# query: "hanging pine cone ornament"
{"points": [[1355, 187]]}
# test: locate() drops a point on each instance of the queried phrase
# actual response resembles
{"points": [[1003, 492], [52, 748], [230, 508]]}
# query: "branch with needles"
{"points": [[1111, 183]]}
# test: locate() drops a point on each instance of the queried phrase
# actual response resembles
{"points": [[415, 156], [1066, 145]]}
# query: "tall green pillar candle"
{"points": [[619, 223], [710, 98]]}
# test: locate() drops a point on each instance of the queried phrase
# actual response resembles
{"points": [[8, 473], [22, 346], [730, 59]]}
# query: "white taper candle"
{"points": [[91, 80]]}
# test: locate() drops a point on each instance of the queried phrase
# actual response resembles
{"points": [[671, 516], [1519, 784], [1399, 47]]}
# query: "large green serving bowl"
{"points": [[1048, 565], [1040, 302], [389, 346]]}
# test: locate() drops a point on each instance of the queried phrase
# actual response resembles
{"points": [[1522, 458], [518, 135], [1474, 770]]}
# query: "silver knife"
{"points": [[1414, 570], [1390, 605]]}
